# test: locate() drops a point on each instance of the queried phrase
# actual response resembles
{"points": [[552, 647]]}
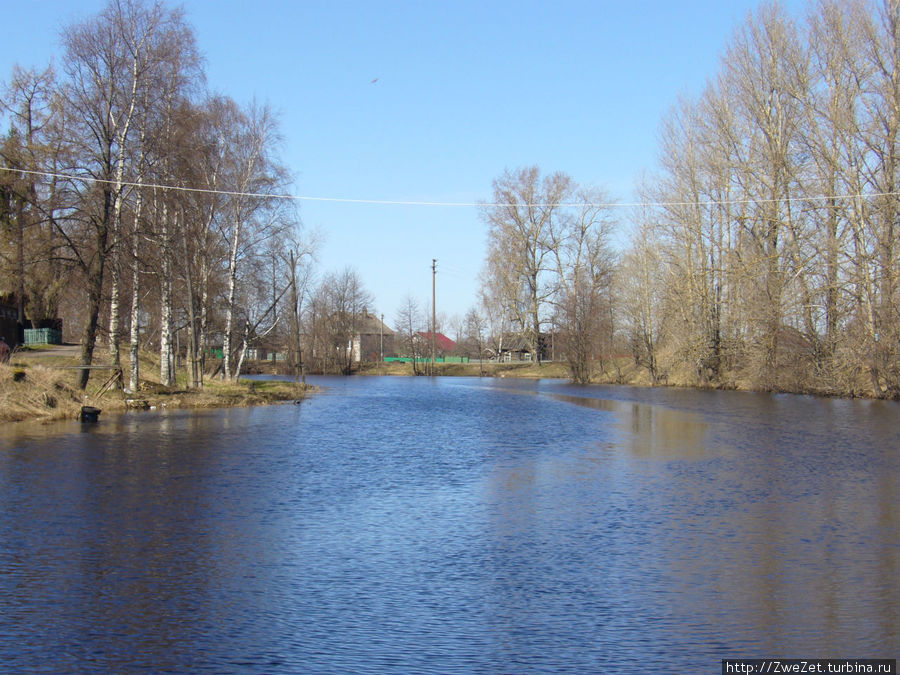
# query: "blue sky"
{"points": [[463, 91]]}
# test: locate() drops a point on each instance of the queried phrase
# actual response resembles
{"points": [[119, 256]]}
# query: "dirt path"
{"points": [[65, 351]]}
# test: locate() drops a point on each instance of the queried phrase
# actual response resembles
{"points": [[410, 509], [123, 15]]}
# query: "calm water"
{"points": [[453, 526]]}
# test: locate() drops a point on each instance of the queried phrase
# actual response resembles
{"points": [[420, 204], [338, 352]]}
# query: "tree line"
{"points": [[146, 208], [549, 269], [765, 253], [141, 205]]}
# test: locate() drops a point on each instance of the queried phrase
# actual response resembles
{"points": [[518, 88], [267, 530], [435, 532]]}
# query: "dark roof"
{"points": [[369, 324]]}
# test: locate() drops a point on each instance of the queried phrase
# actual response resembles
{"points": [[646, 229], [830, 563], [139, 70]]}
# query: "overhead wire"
{"points": [[453, 271], [393, 202]]}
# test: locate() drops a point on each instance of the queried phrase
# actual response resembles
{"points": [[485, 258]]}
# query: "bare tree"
{"points": [[694, 230], [526, 212], [493, 302], [475, 329], [110, 60], [160, 136], [30, 149], [778, 207], [253, 172], [257, 309], [831, 137], [298, 258], [334, 314], [410, 321], [641, 299], [768, 82], [880, 68], [199, 247], [582, 298]]}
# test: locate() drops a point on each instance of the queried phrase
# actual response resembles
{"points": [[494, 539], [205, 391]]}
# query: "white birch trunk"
{"points": [[114, 306], [121, 139], [229, 307], [166, 362], [205, 272], [204, 327], [242, 352], [134, 337]]}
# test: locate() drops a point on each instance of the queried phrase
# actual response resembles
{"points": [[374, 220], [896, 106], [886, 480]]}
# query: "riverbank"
{"points": [[39, 384], [35, 387], [619, 371], [471, 369]]}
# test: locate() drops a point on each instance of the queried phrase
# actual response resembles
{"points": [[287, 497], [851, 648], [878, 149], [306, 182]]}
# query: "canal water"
{"points": [[417, 525]]}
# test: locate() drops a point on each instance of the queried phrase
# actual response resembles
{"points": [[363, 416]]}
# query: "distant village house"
{"points": [[373, 339], [443, 346]]}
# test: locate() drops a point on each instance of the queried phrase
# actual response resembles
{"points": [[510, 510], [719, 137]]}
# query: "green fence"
{"points": [[427, 359], [43, 336]]}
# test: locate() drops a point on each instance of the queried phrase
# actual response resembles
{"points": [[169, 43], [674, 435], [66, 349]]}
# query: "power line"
{"points": [[391, 202], [452, 271]]}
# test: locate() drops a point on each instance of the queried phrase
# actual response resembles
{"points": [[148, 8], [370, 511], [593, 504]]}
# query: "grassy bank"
{"points": [[471, 369], [620, 370], [40, 384], [35, 386]]}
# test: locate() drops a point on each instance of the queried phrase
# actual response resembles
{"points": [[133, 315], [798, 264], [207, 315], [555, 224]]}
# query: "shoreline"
{"points": [[626, 374], [33, 392], [35, 389]]}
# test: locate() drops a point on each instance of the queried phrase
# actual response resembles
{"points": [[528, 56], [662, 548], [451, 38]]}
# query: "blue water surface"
{"points": [[418, 525]]}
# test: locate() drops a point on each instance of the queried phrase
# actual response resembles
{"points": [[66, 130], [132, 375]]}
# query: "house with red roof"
{"points": [[443, 345]]}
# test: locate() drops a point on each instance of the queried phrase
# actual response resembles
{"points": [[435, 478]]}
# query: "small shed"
{"points": [[43, 336], [9, 325]]}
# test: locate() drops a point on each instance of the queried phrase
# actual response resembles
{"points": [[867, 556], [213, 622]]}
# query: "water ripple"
{"points": [[415, 525]]}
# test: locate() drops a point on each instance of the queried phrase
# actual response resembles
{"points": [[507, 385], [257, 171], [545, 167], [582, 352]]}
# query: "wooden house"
{"points": [[373, 339]]}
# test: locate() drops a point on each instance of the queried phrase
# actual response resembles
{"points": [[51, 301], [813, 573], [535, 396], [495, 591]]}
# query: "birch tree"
{"points": [[109, 61], [253, 173], [522, 220]]}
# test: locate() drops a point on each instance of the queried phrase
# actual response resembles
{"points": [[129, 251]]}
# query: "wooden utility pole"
{"points": [[433, 310]]}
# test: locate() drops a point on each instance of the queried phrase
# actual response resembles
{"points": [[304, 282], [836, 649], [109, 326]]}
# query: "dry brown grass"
{"points": [[33, 390], [217, 394], [471, 369], [620, 370], [37, 393]]}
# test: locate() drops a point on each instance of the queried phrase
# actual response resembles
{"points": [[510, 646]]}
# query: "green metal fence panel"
{"points": [[427, 359], [42, 336]]}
